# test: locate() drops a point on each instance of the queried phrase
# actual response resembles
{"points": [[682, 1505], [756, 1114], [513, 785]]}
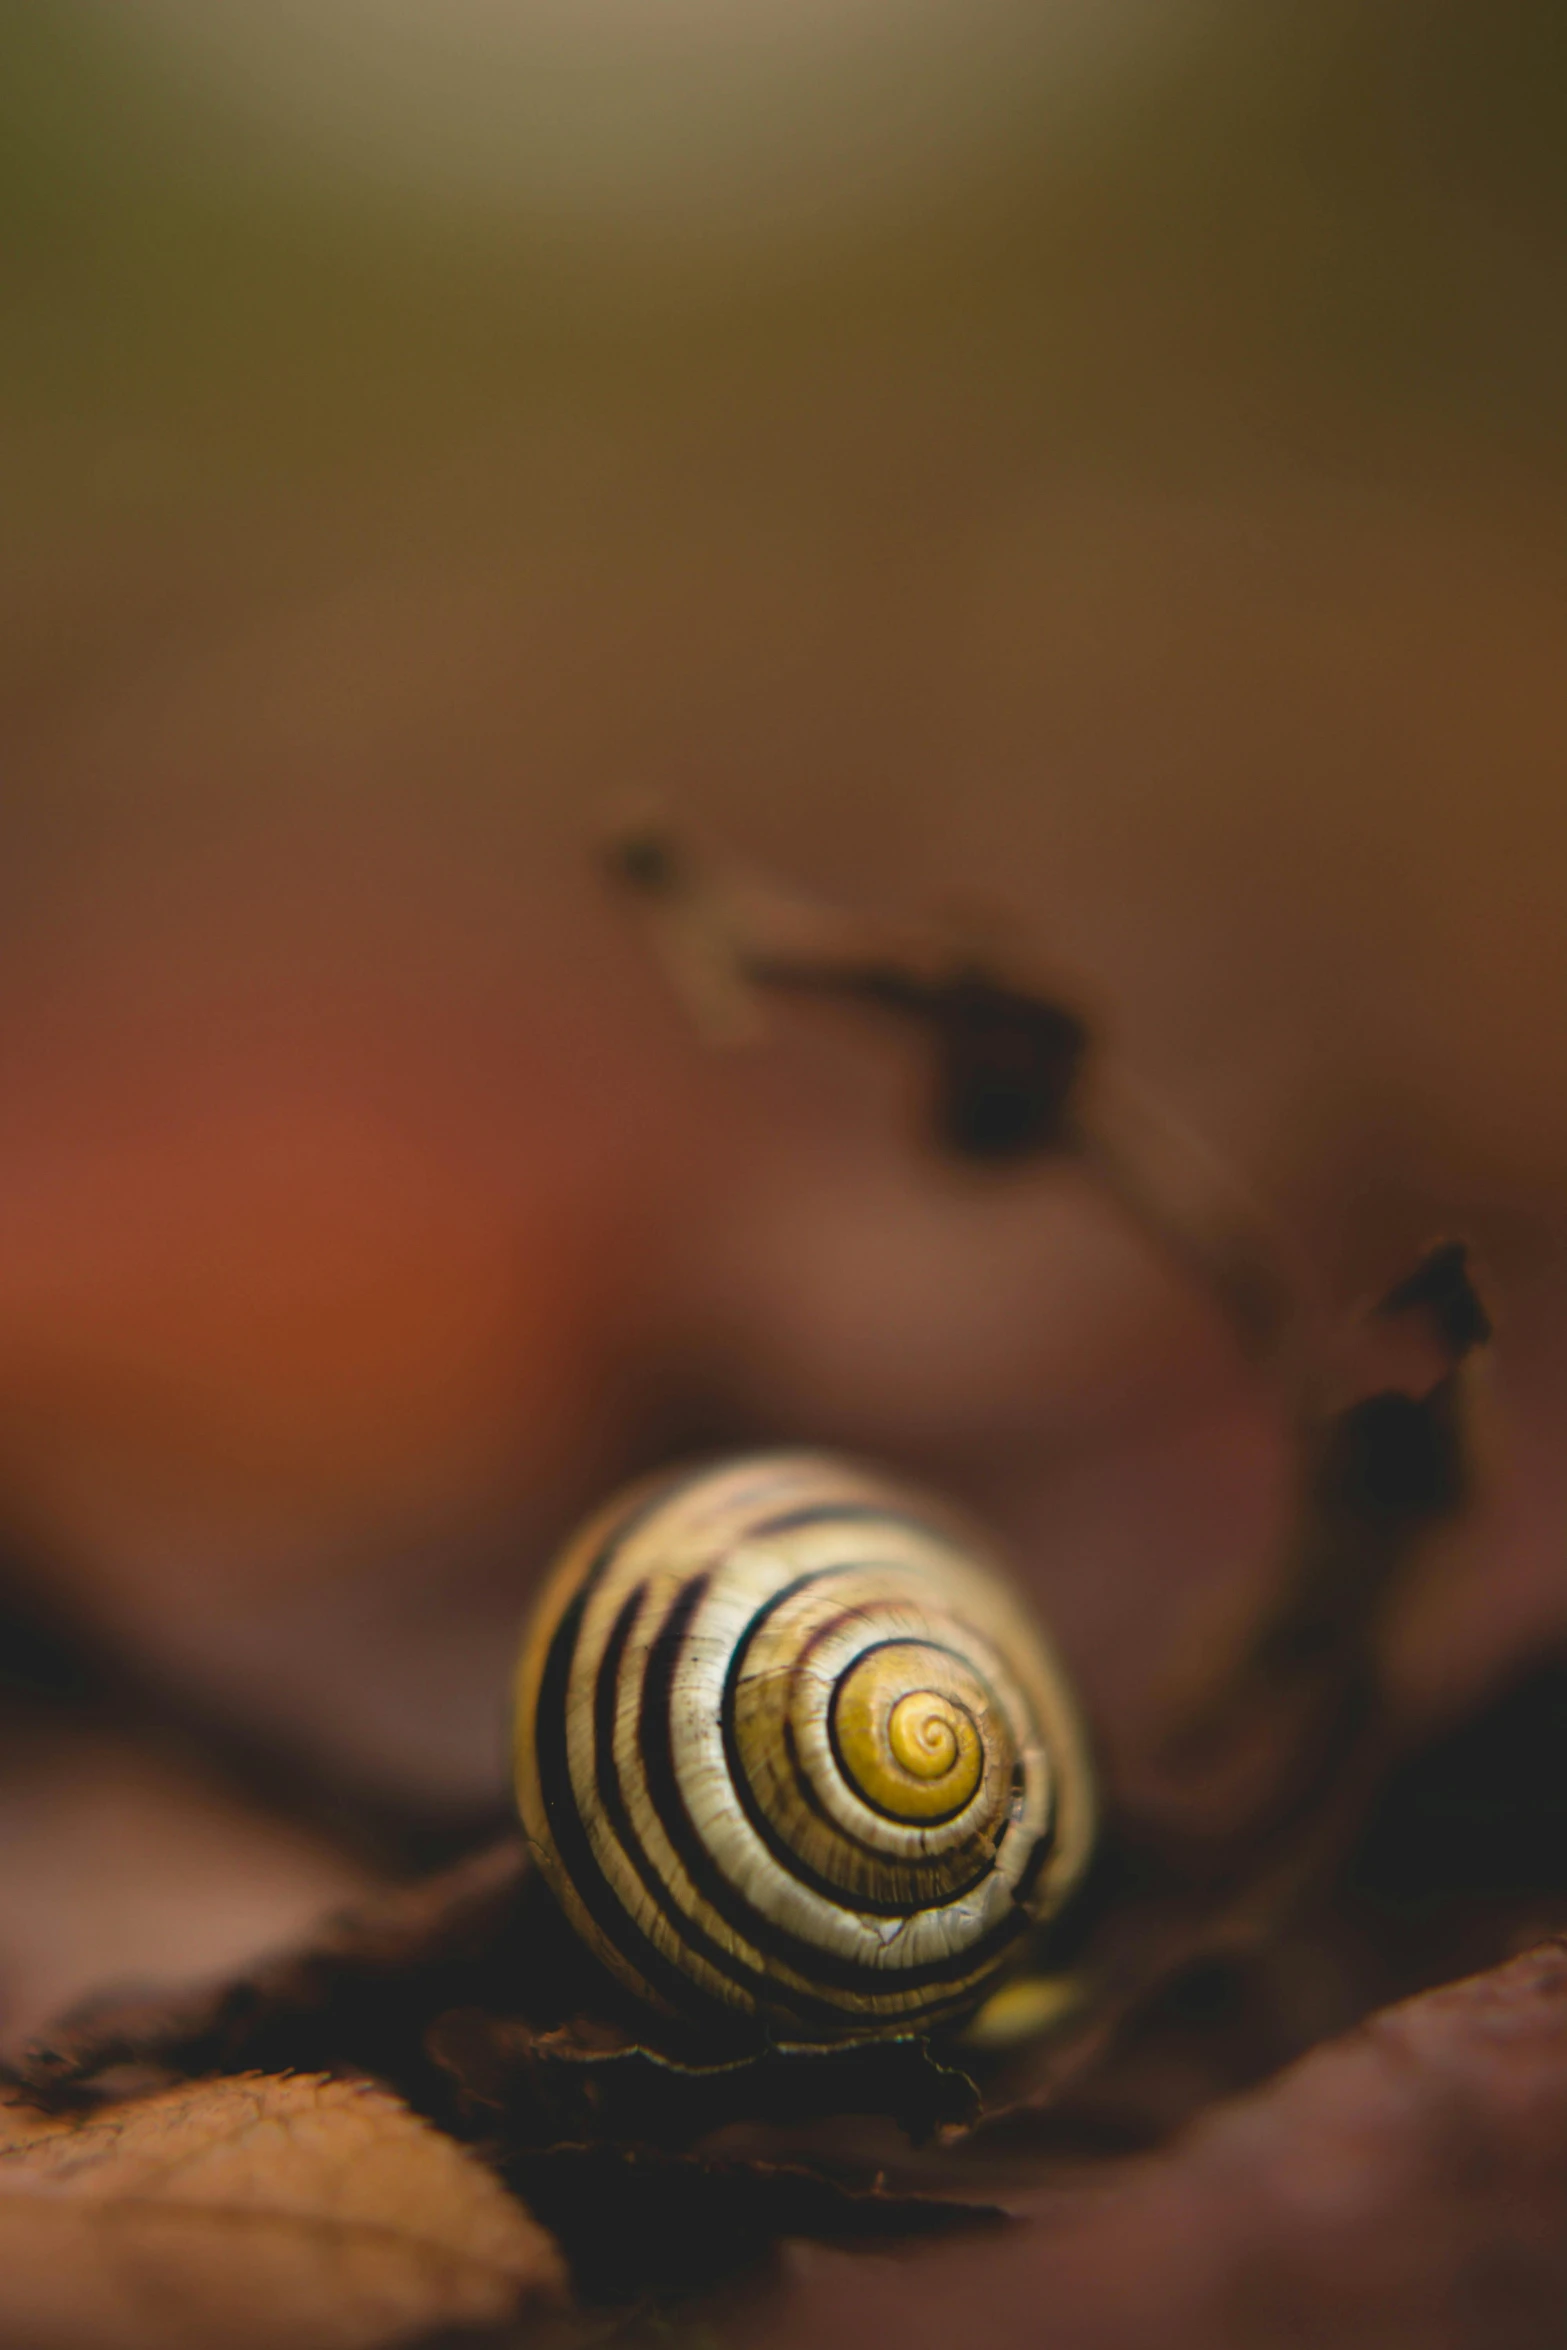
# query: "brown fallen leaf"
{"points": [[356, 1992], [391, 1987], [124, 1861], [250, 2212], [1403, 2188], [467, 1995], [589, 2080]]}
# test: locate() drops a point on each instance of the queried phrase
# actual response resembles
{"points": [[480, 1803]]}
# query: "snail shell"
{"points": [[788, 1744]]}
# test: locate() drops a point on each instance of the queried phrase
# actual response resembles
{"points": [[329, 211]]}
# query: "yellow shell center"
{"points": [[913, 1753], [922, 1731]]}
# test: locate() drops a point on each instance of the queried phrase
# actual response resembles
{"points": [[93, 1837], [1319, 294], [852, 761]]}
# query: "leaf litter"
{"points": [[1243, 1907]]}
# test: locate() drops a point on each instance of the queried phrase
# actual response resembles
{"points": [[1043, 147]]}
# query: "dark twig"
{"points": [[1016, 1079]]}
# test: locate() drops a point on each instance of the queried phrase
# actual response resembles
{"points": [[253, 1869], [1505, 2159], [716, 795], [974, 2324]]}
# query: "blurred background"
{"points": [[1086, 467]]}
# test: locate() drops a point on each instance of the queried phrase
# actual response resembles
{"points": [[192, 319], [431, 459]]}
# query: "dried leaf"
{"points": [[1401, 2188], [1377, 1476], [585, 2080], [315, 2214], [467, 1994], [123, 1860], [358, 1992]]}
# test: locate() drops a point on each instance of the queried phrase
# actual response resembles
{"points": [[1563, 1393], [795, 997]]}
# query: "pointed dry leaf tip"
{"points": [[301, 2212], [1442, 1288], [1294, 1697]]}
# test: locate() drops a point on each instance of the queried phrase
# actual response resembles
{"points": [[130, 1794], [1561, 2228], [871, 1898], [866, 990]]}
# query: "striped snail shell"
{"points": [[789, 1745]]}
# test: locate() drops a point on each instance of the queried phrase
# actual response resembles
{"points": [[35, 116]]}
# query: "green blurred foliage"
{"points": [[1344, 220]]}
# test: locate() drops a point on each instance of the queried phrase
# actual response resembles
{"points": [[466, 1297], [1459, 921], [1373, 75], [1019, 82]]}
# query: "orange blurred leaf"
{"points": [[255, 2211]]}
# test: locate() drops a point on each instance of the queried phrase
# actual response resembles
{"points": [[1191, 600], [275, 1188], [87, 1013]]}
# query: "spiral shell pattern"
{"points": [[788, 1744]]}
